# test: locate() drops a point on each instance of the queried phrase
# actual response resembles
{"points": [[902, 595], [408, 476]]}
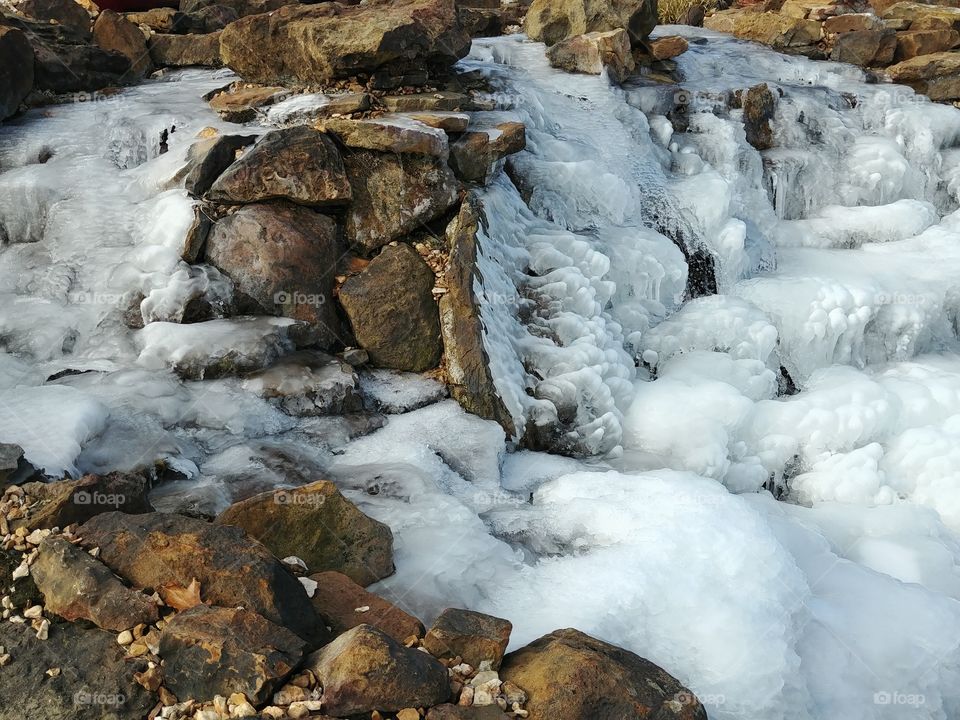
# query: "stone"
{"points": [[22, 590], [391, 309], [212, 18], [209, 651], [159, 19], [63, 12], [667, 48], [778, 31], [282, 260], [16, 70], [592, 52], [317, 44], [475, 155], [345, 605], [415, 102], [480, 22], [241, 105], [308, 383], [208, 158], [298, 164], [865, 47], [923, 16], [323, 106], [65, 502], [852, 22], [472, 636], [759, 108], [185, 50], [114, 32], [241, 7], [912, 43], [76, 586], [70, 68], [569, 675], [11, 459], [394, 195], [551, 21], [388, 134], [364, 670], [233, 569], [459, 712], [936, 75], [319, 525], [449, 122]]}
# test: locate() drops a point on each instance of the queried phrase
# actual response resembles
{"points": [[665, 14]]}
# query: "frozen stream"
{"points": [[837, 259]]}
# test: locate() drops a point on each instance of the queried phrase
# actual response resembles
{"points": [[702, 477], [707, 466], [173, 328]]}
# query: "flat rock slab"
{"points": [[241, 105], [345, 605], [394, 133], [444, 100]]}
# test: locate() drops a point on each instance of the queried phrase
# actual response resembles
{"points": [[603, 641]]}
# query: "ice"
{"points": [[400, 392]]}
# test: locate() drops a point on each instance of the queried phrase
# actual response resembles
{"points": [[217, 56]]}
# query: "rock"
{"points": [[63, 12], [458, 712], [212, 18], [207, 159], [391, 309], [417, 102], [282, 259], [232, 568], [241, 105], [480, 22], [592, 52], [474, 156], [345, 605], [468, 367], [364, 670], [780, 32], [865, 47], [75, 586], [388, 134], [568, 675], [308, 383], [912, 43], [185, 50], [11, 459], [16, 70], [209, 651], [68, 68], [23, 590], [316, 523], [936, 75], [922, 15], [95, 679], [159, 19], [852, 22], [759, 108], [112, 31], [472, 636], [241, 7], [394, 195], [449, 122], [551, 21], [65, 502], [695, 15], [308, 109], [314, 45], [298, 164], [666, 48]]}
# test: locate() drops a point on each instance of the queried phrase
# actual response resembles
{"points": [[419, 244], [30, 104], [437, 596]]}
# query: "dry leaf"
{"points": [[179, 597]]}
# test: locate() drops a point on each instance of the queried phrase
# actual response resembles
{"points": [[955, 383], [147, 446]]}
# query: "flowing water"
{"points": [[769, 504]]}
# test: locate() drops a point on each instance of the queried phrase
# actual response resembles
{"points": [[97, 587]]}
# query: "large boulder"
{"points": [[403, 39], [551, 21], [392, 311], [185, 50], [209, 651], [112, 31], [365, 670], [569, 675], [232, 568], [71, 68], [207, 159], [936, 75], [282, 260], [776, 30], [298, 164], [345, 605], [912, 43], [593, 52], [394, 195], [474, 637], [16, 70], [63, 12], [320, 526]]}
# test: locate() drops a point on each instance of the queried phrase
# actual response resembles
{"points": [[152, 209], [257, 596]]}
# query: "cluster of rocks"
{"points": [[132, 613]]}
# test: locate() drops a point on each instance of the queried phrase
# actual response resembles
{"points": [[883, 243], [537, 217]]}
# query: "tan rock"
{"points": [[776, 30], [345, 605], [921, 15], [388, 133], [159, 19], [476, 153], [185, 50], [936, 75], [665, 48], [551, 21], [450, 122], [866, 48], [417, 102], [241, 105], [114, 32], [592, 52], [852, 22], [924, 42], [472, 636]]}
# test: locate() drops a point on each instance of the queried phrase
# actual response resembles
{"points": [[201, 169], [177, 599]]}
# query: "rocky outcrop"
{"points": [[551, 21], [568, 675], [113, 31], [16, 70], [476, 154], [593, 52], [936, 75], [781, 32], [392, 312], [185, 50], [320, 526], [397, 42], [345, 605], [471, 636]]}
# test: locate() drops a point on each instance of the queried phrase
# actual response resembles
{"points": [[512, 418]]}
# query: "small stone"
{"points": [[43, 632], [21, 571], [295, 563], [237, 699], [513, 694], [206, 715], [33, 612], [408, 714], [273, 712], [466, 697], [137, 649], [53, 672], [220, 704], [151, 678], [4, 659], [298, 710], [166, 697], [289, 694], [309, 585], [243, 710]]}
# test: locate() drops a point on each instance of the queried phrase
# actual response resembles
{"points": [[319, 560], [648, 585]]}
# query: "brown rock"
{"points": [[232, 568], [924, 42], [70, 68], [592, 52], [282, 259], [568, 675], [924, 17], [551, 21], [665, 48], [778, 31], [241, 7], [416, 102], [16, 70], [937, 75], [64, 12], [75, 586], [185, 50], [473, 636], [160, 19], [394, 195], [388, 134], [241, 105], [196, 237], [865, 47], [298, 164], [476, 153], [759, 107], [210, 651], [459, 712], [365, 670], [342, 601], [207, 159], [320, 526], [852, 22], [114, 32]]}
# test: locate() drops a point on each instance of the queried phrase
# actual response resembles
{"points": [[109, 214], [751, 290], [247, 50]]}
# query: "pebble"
{"points": [[166, 697], [125, 638], [309, 585], [220, 705], [243, 710], [408, 714], [137, 649], [43, 632], [53, 672], [271, 711], [21, 571], [4, 659], [484, 677], [362, 609], [33, 612], [206, 715], [237, 699], [290, 694], [466, 697], [295, 562]]}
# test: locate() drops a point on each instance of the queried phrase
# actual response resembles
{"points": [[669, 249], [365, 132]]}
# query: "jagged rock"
{"points": [[11, 458], [924, 17], [345, 605], [241, 7], [298, 164], [666, 48], [207, 159], [112, 31], [592, 52], [63, 12], [778, 31], [209, 651], [365, 669], [913, 43], [468, 368], [388, 134], [65, 502], [459, 712], [936, 75], [316, 523], [475, 155], [69, 68], [472, 636], [391, 309], [196, 238], [852, 22], [865, 47], [241, 105], [185, 50], [282, 259], [569, 675], [160, 19], [415, 102], [95, 679], [75, 586], [308, 383], [16, 70], [394, 195], [759, 107], [551, 21], [316, 44], [232, 568]]}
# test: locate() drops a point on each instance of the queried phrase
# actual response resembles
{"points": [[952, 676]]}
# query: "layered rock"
{"points": [[936, 75], [207, 159], [551, 21], [779, 31]]}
